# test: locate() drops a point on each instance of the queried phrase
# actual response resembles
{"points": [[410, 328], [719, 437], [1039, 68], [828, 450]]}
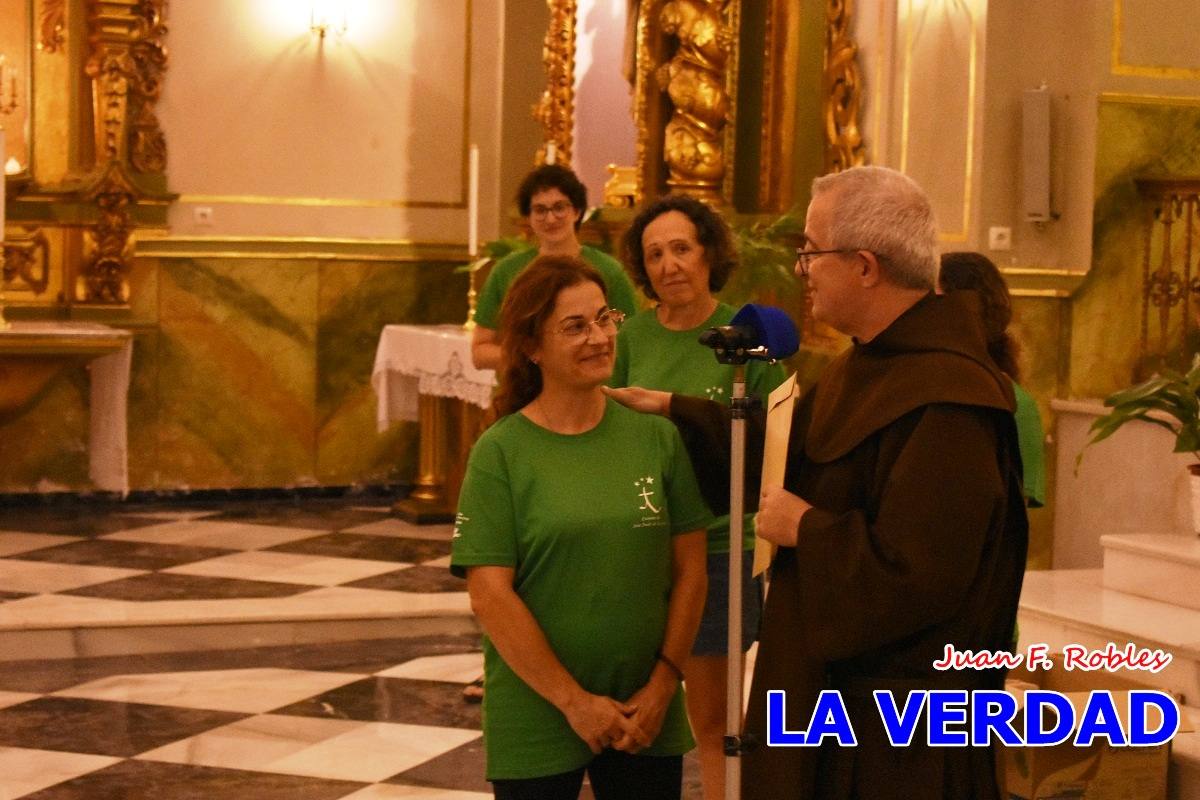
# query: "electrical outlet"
{"points": [[203, 216], [999, 238]]}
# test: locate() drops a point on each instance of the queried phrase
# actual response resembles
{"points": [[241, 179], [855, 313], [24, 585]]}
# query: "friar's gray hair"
{"points": [[887, 213]]}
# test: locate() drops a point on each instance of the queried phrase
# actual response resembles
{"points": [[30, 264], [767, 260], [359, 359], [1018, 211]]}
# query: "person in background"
{"points": [[680, 252], [976, 272], [580, 530], [553, 200]]}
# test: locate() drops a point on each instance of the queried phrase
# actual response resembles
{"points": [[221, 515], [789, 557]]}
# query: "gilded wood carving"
{"points": [[781, 51], [695, 79], [28, 258], [126, 63], [556, 108], [51, 24], [843, 90]]}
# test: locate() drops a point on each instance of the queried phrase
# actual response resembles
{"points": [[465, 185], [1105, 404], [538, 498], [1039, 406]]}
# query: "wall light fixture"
{"points": [[328, 16]]}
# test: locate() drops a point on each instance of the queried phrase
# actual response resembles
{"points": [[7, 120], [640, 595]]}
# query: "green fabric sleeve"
{"points": [[485, 526]]}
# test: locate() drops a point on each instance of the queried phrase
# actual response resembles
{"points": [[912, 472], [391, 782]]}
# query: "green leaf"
{"points": [[1167, 406], [1106, 426], [1188, 440], [1150, 387]]}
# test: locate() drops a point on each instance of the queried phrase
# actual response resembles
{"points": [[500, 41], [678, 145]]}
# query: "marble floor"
{"points": [[367, 720]]}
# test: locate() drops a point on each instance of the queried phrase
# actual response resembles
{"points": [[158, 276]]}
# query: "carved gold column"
{"points": [[843, 89], [556, 109], [126, 63], [427, 502], [700, 83]]}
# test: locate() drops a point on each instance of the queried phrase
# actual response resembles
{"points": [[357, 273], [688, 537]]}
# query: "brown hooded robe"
{"points": [[907, 450]]}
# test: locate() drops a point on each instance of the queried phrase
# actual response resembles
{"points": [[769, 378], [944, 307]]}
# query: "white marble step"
{"points": [[1162, 567], [1061, 607], [69, 626]]}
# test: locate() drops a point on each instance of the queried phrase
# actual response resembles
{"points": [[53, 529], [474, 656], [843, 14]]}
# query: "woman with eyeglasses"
{"points": [[580, 530], [553, 200], [680, 252]]}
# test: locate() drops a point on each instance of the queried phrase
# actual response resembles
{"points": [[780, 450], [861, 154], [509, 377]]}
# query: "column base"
{"points": [[423, 512]]}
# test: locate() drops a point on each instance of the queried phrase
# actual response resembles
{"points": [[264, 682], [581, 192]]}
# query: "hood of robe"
{"points": [[935, 352]]}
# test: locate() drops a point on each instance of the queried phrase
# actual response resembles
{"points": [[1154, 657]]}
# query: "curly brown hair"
{"points": [[712, 232], [552, 176], [976, 272], [527, 305]]}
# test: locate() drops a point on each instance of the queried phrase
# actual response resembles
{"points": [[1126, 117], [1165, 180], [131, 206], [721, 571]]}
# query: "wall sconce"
{"points": [[327, 16], [8, 87]]}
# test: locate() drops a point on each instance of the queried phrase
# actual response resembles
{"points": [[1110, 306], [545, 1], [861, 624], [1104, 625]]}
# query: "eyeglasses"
{"points": [[607, 322], [804, 256], [559, 209]]}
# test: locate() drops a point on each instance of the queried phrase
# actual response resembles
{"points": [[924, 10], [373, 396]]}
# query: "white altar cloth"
{"points": [[414, 360]]}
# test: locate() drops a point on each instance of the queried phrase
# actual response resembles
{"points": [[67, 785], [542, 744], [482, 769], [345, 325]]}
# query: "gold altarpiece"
{"points": [[96, 164], [684, 62]]}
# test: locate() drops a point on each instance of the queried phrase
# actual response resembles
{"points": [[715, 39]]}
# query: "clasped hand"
{"points": [[604, 722]]}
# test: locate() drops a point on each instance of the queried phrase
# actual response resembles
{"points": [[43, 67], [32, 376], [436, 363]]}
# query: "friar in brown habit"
{"points": [[900, 525]]}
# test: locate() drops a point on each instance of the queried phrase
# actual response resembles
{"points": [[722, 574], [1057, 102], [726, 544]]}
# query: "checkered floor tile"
{"points": [[239, 551], [364, 720], [321, 721]]}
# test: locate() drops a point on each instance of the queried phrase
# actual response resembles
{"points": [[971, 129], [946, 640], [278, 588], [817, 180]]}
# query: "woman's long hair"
{"points": [[977, 273], [528, 304]]}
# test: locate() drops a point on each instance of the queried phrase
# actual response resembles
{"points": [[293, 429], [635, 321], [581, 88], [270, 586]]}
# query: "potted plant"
{"points": [[1170, 400]]}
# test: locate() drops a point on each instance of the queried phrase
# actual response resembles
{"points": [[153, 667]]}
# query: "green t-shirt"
{"points": [[491, 297], [1031, 442], [586, 521], [654, 357]]}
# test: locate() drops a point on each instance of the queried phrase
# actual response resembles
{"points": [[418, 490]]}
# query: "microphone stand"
{"points": [[740, 405]]}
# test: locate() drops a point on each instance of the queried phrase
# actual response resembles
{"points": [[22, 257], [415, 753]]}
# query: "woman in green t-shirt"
{"points": [[552, 199], [680, 252], [580, 530]]}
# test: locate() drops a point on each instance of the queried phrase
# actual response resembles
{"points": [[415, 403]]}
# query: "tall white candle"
{"points": [[551, 153], [473, 202]]}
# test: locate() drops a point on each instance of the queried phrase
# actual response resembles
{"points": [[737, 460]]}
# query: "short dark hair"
{"points": [[712, 232], [527, 305], [967, 271], [552, 176]]}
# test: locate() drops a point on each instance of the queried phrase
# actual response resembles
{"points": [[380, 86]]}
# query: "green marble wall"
{"points": [[247, 372], [1133, 140]]}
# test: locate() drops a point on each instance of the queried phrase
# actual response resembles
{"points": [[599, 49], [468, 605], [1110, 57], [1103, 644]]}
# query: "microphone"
{"points": [[764, 333]]}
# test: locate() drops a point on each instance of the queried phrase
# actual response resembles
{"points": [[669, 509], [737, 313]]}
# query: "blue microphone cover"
{"points": [[773, 328]]}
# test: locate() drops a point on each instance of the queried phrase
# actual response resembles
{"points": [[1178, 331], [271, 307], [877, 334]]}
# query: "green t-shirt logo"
{"points": [[646, 494]]}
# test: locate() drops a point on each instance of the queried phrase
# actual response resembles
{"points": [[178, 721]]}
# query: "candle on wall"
{"points": [[551, 153], [473, 202]]}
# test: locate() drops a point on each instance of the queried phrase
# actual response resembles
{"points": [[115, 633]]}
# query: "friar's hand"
{"points": [[778, 518], [647, 401]]}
